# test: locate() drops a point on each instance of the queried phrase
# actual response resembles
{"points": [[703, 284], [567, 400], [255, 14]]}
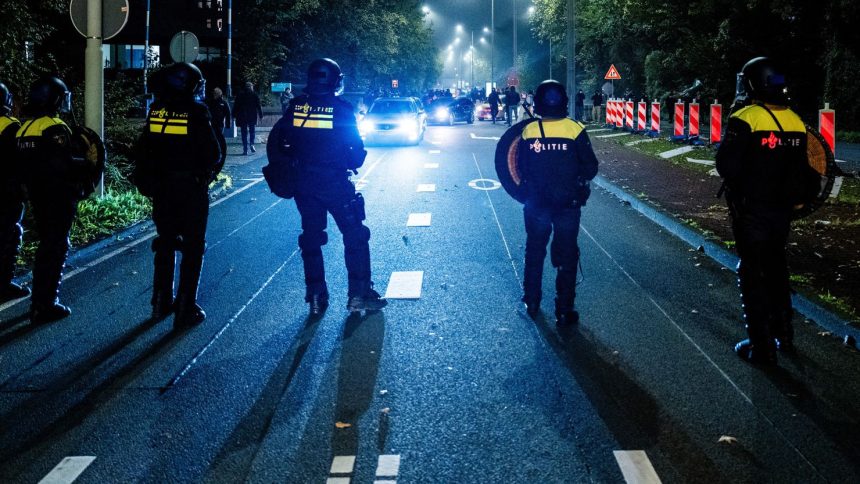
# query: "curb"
{"points": [[811, 310]]}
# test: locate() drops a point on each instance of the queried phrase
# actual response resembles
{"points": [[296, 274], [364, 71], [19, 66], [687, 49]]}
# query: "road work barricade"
{"points": [[716, 123], [827, 126], [640, 126], [679, 119], [694, 120], [628, 115], [619, 114]]}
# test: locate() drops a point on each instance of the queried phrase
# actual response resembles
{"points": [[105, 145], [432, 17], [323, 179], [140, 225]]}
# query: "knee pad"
{"points": [[357, 236], [312, 240]]}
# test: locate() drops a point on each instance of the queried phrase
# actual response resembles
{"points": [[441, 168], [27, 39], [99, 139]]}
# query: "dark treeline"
{"points": [[662, 46]]}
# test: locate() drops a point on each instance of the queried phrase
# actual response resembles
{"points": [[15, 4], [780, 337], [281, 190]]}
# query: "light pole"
{"points": [[493, 43]]}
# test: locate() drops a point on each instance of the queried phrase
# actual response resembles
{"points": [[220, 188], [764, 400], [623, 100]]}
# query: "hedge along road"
{"points": [[453, 384]]}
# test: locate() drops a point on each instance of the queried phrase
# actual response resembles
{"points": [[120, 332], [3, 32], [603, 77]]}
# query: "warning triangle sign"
{"points": [[612, 73]]}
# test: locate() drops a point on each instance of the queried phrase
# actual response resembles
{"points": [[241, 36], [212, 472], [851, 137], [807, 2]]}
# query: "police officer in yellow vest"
{"points": [[763, 161], [11, 200], [178, 156], [319, 131], [55, 179], [556, 163]]}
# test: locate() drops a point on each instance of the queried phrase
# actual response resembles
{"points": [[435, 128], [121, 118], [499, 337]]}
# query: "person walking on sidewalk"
{"points": [[763, 162], [494, 101], [11, 201], [177, 157], [319, 132], [556, 162], [247, 110], [512, 104], [219, 110]]}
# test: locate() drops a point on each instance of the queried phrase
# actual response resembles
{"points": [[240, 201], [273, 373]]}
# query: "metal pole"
{"points": [[514, 4], [571, 50], [492, 43], [94, 76], [472, 62], [229, 49], [146, 58], [550, 57]]}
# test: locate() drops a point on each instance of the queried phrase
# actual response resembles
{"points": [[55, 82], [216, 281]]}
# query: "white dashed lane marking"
{"points": [[434, 152], [405, 285], [419, 220], [68, 470], [426, 187], [612, 135], [388, 466], [636, 467], [337, 480], [431, 165], [342, 464]]}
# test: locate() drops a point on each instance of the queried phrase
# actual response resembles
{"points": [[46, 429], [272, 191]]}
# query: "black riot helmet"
{"points": [[181, 81], [5, 100], [551, 99], [324, 77], [763, 81], [49, 95]]}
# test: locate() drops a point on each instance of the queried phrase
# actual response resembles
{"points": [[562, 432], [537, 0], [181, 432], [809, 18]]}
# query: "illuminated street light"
{"points": [[425, 9], [459, 28], [531, 10]]}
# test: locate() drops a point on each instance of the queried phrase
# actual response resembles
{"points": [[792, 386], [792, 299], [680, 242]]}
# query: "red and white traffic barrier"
{"points": [[619, 113], [694, 120], [679, 118], [608, 112], [628, 115], [827, 126], [655, 117], [716, 122], [641, 116]]}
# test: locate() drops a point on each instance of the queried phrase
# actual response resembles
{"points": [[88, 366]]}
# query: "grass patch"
{"points": [[730, 244], [850, 192], [800, 279], [100, 217], [839, 304], [848, 136]]}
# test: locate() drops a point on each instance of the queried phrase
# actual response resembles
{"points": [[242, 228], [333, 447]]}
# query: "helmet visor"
{"points": [[66, 104]]}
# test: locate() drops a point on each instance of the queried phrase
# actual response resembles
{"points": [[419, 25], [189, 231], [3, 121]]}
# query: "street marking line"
{"points": [[499, 225], [173, 381], [384, 482], [431, 165], [337, 480], [676, 152], [237, 229], [370, 169], [598, 130], [434, 152], [68, 470], [419, 219], [484, 137], [612, 135], [405, 285], [231, 195], [426, 187], [388, 465], [639, 141], [485, 184], [636, 467], [342, 464], [701, 162]]}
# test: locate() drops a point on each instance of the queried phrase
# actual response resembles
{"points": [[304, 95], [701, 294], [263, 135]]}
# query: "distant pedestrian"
{"points": [[285, 98], [11, 201], [222, 118], [764, 164], [579, 105], [247, 110], [596, 103], [529, 104], [556, 162], [494, 101], [512, 103]]}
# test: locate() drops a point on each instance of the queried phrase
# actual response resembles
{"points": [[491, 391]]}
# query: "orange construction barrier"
{"points": [[679, 118], [641, 116], [619, 113], [608, 112], [628, 115], [694, 119], [655, 117], [716, 122], [827, 126]]}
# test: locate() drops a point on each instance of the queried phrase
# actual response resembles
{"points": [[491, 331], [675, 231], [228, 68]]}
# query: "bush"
{"points": [[100, 217], [848, 136]]}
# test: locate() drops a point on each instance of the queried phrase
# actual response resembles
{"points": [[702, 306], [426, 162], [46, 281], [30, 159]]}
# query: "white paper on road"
{"points": [[643, 140], [342, 464], [405, 285], [701, 162], [68, 470], [837, 185], [612, 135], [676, 152], [434, 152], [419, 220], [431, 165], [636, 467], [388, 466], [426, 187]]}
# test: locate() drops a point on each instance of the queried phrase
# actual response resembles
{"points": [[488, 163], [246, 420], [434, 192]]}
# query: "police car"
{"points": [[394, 120]]}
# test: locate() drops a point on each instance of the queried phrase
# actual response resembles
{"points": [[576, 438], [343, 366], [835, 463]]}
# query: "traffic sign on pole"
{"points": [[184, 47], [612, 73], [114, 17]]}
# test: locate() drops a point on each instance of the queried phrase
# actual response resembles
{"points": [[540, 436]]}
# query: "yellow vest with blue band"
{"points": [[6, 121], [758, 119], [35, 127], [307, 116], [168, 122], [553, 128]]}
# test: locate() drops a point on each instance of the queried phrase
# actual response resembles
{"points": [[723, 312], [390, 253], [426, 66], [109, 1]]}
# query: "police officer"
{"points": [[320, 132], [11, 201], [178, 155], [763, 162], [55, 179], [556, 162]]}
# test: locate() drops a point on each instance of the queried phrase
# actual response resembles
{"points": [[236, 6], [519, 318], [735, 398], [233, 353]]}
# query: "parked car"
{"points": [[399, 120], [449, 111], [482, 112]]}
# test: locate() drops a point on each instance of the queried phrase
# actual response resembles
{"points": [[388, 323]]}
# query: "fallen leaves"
{"points": [[342, 425], [727, 439]]}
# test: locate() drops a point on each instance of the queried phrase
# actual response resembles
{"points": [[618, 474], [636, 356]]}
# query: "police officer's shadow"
{"points": [[361, 350], [627, 409]]}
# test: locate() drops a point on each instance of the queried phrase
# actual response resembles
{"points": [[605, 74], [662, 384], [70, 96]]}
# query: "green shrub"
{"points": [[100, 217]]}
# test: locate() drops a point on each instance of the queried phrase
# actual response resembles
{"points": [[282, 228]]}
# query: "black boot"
{"points": [[13, 291], [162, 285], [48, 313], [369, 301], [188, 312], [783, 331], [532, 307], [565, 316], [757, 354], [318, 304]]}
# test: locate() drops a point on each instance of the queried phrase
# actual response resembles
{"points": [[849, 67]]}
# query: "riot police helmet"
{"points": [[764, 81], [551, 99], [324, 77], [6, 102], [181, 80], [49, 95]]}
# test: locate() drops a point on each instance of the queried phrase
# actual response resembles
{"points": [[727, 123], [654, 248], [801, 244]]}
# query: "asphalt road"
{"points": [[457, 385]]}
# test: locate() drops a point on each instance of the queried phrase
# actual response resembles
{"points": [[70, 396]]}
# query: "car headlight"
{"points": [[441, 114], [366, 126]]}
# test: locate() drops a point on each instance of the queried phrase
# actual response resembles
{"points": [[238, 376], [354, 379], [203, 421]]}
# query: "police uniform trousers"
{"points": [[53, 213], [347, 209], [760, 235], [11, 213], [180, 210], [541, 222]]}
